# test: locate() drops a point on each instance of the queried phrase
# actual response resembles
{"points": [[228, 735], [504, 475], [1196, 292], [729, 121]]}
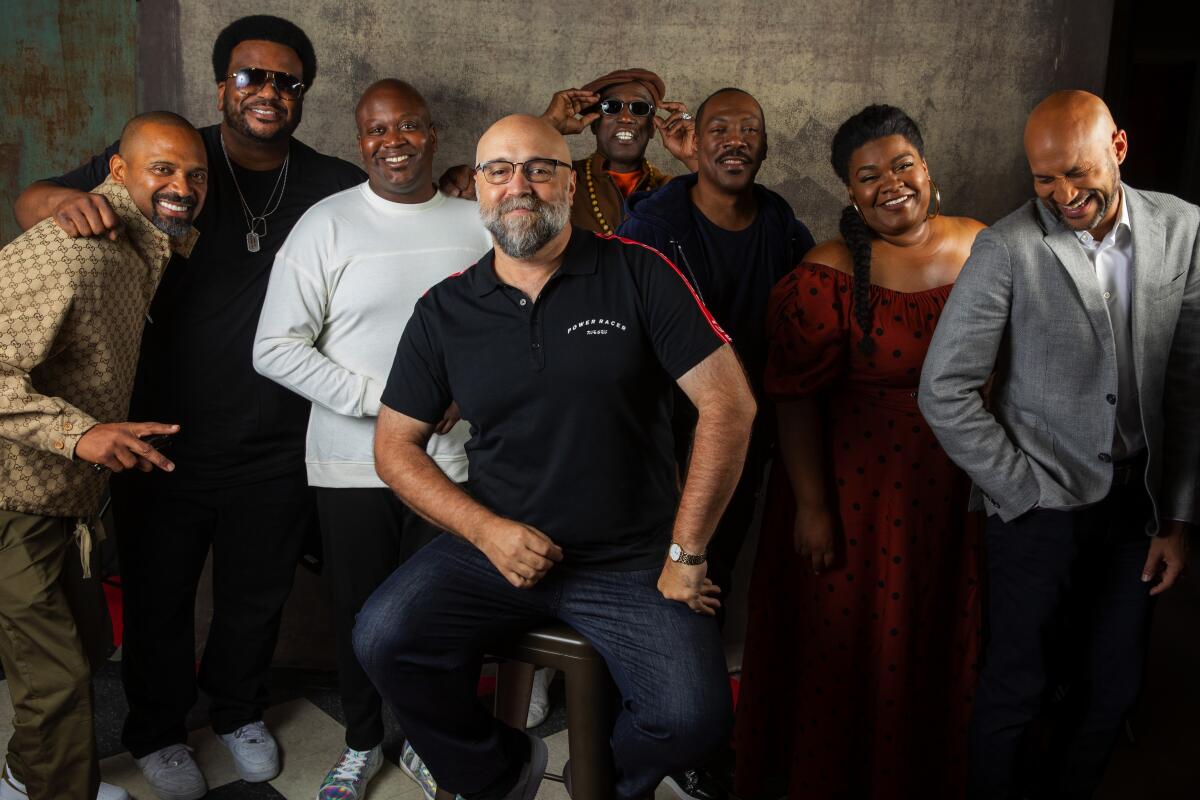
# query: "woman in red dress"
{"points": [[864, 610]]}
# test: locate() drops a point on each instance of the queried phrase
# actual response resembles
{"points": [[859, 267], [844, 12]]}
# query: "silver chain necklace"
{"points": [[256, 221]]}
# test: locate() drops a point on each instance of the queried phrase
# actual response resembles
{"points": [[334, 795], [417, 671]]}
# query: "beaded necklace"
{"points": [[591, 188]]}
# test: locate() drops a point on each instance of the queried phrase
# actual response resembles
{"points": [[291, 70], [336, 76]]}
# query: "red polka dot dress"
{"points": [[857, 683]]}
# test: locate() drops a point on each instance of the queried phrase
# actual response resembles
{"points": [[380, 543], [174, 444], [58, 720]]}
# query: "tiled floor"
{"points": [[1164, 762]]}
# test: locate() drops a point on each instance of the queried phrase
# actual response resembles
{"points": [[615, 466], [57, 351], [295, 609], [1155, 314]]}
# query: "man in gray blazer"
{"points": [[1083, 306]]}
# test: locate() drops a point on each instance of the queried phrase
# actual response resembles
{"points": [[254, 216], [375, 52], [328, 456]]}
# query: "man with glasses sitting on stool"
{"points": [[561, 347]]}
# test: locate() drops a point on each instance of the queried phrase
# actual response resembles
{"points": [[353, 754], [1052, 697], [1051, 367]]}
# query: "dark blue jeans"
{"points": [[421, 636]]}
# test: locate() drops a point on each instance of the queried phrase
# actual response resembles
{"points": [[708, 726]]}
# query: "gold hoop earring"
{"points": [[858, 211], [937, 201]]}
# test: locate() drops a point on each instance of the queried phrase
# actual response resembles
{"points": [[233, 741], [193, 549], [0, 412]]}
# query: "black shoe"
{"points": [[695, 784]]}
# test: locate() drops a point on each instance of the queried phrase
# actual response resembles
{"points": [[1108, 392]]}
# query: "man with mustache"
{"points": [[561, 347], [71, 312], [239, 489], [1081, 309], [734, 239], [341, 291]]}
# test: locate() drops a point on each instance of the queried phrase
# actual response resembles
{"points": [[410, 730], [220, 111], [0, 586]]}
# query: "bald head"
{"points": [[390, 89], [519, 137], [1068, 114], [1075, 151], [155, 123]]}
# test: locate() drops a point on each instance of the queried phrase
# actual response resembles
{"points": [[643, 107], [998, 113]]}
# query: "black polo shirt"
{"points": [[568, 396]]}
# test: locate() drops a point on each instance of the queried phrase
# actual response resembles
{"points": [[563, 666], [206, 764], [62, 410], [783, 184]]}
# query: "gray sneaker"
{"points": [[350, 775], [13, 789], [532, 773], [255, 753], [173, 774]]}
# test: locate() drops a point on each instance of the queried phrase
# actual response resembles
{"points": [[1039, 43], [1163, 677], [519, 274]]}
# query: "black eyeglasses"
{"points": [[252, 79], [536, 170], [639, 108]]}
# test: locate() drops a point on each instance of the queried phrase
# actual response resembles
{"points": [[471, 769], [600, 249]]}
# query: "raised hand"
{"points": [[678, 132], [566, 108]]}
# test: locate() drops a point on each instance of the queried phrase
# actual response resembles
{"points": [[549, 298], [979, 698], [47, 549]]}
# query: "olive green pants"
{"points": [[54, 628]]}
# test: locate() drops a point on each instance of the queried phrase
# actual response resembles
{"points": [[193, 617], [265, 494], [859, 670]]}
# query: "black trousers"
{"points": [[1067, 606], [164, 535], [365, 534]]}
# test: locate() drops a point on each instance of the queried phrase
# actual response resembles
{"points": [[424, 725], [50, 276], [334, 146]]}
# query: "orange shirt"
{"points": [[626, 181]]}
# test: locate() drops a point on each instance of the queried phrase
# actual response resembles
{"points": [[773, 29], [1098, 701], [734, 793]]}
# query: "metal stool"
{"points": [[589, 700]]}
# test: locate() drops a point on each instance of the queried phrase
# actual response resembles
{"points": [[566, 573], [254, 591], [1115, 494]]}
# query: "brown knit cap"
{"points": [[645, 77]]}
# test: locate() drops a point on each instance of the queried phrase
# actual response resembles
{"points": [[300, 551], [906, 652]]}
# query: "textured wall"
{"points": [[68, 71], [968, 71]]}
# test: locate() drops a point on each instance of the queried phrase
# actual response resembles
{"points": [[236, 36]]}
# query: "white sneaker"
{"points": [[173, 774], [350, 775], [13, 789], [255, 753], [539, 698]]}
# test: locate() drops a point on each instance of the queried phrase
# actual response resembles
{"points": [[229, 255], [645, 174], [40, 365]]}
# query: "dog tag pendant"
{"points": [[252, 242]]}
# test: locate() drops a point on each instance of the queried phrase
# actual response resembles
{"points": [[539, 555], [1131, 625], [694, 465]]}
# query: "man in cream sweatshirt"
{"points": [[342, 289]]}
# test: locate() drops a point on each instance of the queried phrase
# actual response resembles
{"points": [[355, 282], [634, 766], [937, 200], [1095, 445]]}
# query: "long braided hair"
{"points": [[873, 122]]}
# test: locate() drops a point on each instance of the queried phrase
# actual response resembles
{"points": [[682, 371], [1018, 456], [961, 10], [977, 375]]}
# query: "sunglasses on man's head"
{"points": [[639, 108], [251, 79]]}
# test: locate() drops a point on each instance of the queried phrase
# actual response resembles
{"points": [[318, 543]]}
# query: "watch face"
{"points": [[676, 552]]}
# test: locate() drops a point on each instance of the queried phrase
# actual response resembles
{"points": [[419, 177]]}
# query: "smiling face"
{"points": [[397, 140], [261, 115], [1075, 151], [165, 171], [889, 182], [523, 216], [622, 138], [731, 141]]}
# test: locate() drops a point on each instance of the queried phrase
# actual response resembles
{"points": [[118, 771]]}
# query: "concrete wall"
{"points": [[968, 71], [68, 71]]}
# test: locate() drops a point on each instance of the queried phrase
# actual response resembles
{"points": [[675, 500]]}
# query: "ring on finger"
{"points": [[685, 115]]}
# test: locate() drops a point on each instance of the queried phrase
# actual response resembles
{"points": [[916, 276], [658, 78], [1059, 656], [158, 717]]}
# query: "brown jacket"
{"points": [[598, 204], [71, 317]]}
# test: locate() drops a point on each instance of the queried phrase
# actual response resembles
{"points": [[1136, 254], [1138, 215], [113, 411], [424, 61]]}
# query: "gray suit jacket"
{"points": [[1028, 307]]}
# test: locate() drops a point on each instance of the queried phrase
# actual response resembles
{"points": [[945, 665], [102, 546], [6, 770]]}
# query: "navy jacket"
{"points": [[735, 293]]}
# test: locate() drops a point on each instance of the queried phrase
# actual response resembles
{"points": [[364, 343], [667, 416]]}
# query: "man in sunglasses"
{"points": [[239, 487], [734, 239], [621, 108], [561, 347]]}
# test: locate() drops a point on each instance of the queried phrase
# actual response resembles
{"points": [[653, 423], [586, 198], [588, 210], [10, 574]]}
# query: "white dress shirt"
{"points": [[1112, 258]]}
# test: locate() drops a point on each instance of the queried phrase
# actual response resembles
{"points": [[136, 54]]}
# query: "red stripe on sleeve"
{"points": [[712, 321]]}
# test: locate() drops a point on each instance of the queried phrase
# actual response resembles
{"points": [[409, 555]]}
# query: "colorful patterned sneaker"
{"points": [[350, 775], [414, 768]]}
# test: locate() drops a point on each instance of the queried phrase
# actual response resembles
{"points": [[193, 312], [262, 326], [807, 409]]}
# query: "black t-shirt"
{"points": [[195, 368], [569, 396], [745, 266]]}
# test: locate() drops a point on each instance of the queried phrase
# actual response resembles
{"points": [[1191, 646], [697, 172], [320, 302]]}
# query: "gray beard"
{"points": [[175, 228], [522, 238]]}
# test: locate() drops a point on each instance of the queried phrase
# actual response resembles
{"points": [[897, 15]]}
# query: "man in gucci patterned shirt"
{"points": [[71, 317]]}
